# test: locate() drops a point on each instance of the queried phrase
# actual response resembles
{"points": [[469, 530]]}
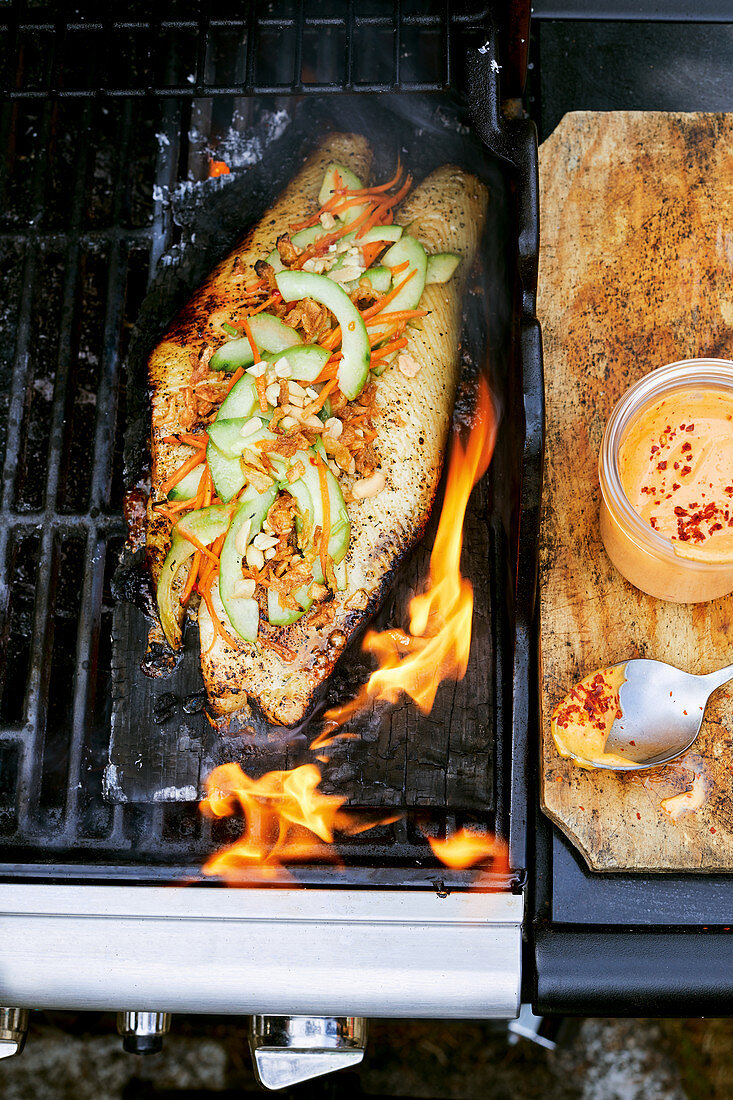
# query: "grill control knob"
{"points": [[13, 1031], [289, 1049], [142, 1032]]}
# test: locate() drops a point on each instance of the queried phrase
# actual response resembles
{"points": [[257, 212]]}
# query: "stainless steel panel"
{"points": [[269, 951]]}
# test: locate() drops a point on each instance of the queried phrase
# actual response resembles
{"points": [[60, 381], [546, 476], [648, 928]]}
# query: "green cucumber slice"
{"points": [[268, 332], [226, 473], [306, 361], [227, 435], [379, 277], [353, 369], [284, 616], [205, 524], [243, 611], [338, 541], [188, 486], [410, 250], [348, 180], [242, 400], [440, 267]]}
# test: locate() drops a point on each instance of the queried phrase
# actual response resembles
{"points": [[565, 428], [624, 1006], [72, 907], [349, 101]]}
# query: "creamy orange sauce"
{"points": [[686, 801], [581, 722], [676, 468]]}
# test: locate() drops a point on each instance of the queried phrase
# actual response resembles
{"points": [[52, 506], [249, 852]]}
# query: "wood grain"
{"points": [[636, 270]]}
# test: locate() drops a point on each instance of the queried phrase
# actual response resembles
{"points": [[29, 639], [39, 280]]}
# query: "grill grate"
{"points": [[84, 218], [270, 48]]}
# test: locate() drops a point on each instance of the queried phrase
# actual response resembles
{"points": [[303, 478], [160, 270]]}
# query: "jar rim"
{"points": [[684, 374]]}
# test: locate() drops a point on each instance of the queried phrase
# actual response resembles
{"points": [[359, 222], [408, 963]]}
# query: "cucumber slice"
{"points": [[338, 541], [268, 332], [410, 250], [380, 278], [243, 612], [347, 180], [306, 361], [441, 266], [226, 473], [354, 366], [227, 436], [241, 401], [284, 616], [407, 248], [188, 486], [205, 524]]}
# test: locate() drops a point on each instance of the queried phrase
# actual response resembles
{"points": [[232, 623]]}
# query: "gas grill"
{"points": [[108, 126]]}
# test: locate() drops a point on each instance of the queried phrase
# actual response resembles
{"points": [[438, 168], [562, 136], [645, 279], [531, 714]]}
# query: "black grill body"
{"points": [[108, 126]]}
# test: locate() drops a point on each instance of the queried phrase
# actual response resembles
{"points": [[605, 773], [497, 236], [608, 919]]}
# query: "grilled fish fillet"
{"points": [[445, 213]]}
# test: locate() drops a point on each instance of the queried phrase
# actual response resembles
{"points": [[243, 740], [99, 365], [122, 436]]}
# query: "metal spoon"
{"points": [[662, 709]]}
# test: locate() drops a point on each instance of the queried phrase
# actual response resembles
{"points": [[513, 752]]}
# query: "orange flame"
{"points": [[286, 820], [438, 644], [466, 849], [218, 168]]}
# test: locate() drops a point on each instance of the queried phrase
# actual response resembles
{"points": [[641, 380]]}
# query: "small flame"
{"points": [[438, 644], [286, 820], [467, 849], [218, 168]]}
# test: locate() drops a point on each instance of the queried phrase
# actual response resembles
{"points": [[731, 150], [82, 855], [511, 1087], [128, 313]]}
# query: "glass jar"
{"points": [[644, 556]]}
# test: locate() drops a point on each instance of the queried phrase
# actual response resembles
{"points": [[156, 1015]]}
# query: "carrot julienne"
{"points": [[190, 464], [372, 311], [320, 401], [200, 546], [389, 348], [239, 372], [400, 267], [191, 579], [400, 315]]}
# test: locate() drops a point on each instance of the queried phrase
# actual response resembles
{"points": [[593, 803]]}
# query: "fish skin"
{"points": [[446, 212]]}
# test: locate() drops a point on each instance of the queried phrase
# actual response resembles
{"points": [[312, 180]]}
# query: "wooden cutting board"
{"points": [[636, 270]]}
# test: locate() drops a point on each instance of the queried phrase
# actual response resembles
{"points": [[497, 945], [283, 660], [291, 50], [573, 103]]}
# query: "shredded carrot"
{"points": [[191, 579], [381, 188], [400, 315], [277, 297], [400, 267], [199, 545], [329, 371], [320, 401], [208, 483], [190, 464], [377, 337], [173, 507], [326, 501], [389, 348], [398, 195], [372, 311], [252, 344], [239, 373], [261, 384], [219, 628], [331, 339], [186, 437], [371, 251], [255, 286]]}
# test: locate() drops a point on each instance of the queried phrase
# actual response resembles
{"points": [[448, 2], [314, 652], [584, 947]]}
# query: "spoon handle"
{"points": [[716, 679]]}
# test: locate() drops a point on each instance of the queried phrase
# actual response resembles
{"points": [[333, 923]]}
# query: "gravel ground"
{"points": [[82, 1059]]}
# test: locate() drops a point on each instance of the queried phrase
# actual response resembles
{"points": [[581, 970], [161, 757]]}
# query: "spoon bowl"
{"points": [[662, 709]]}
